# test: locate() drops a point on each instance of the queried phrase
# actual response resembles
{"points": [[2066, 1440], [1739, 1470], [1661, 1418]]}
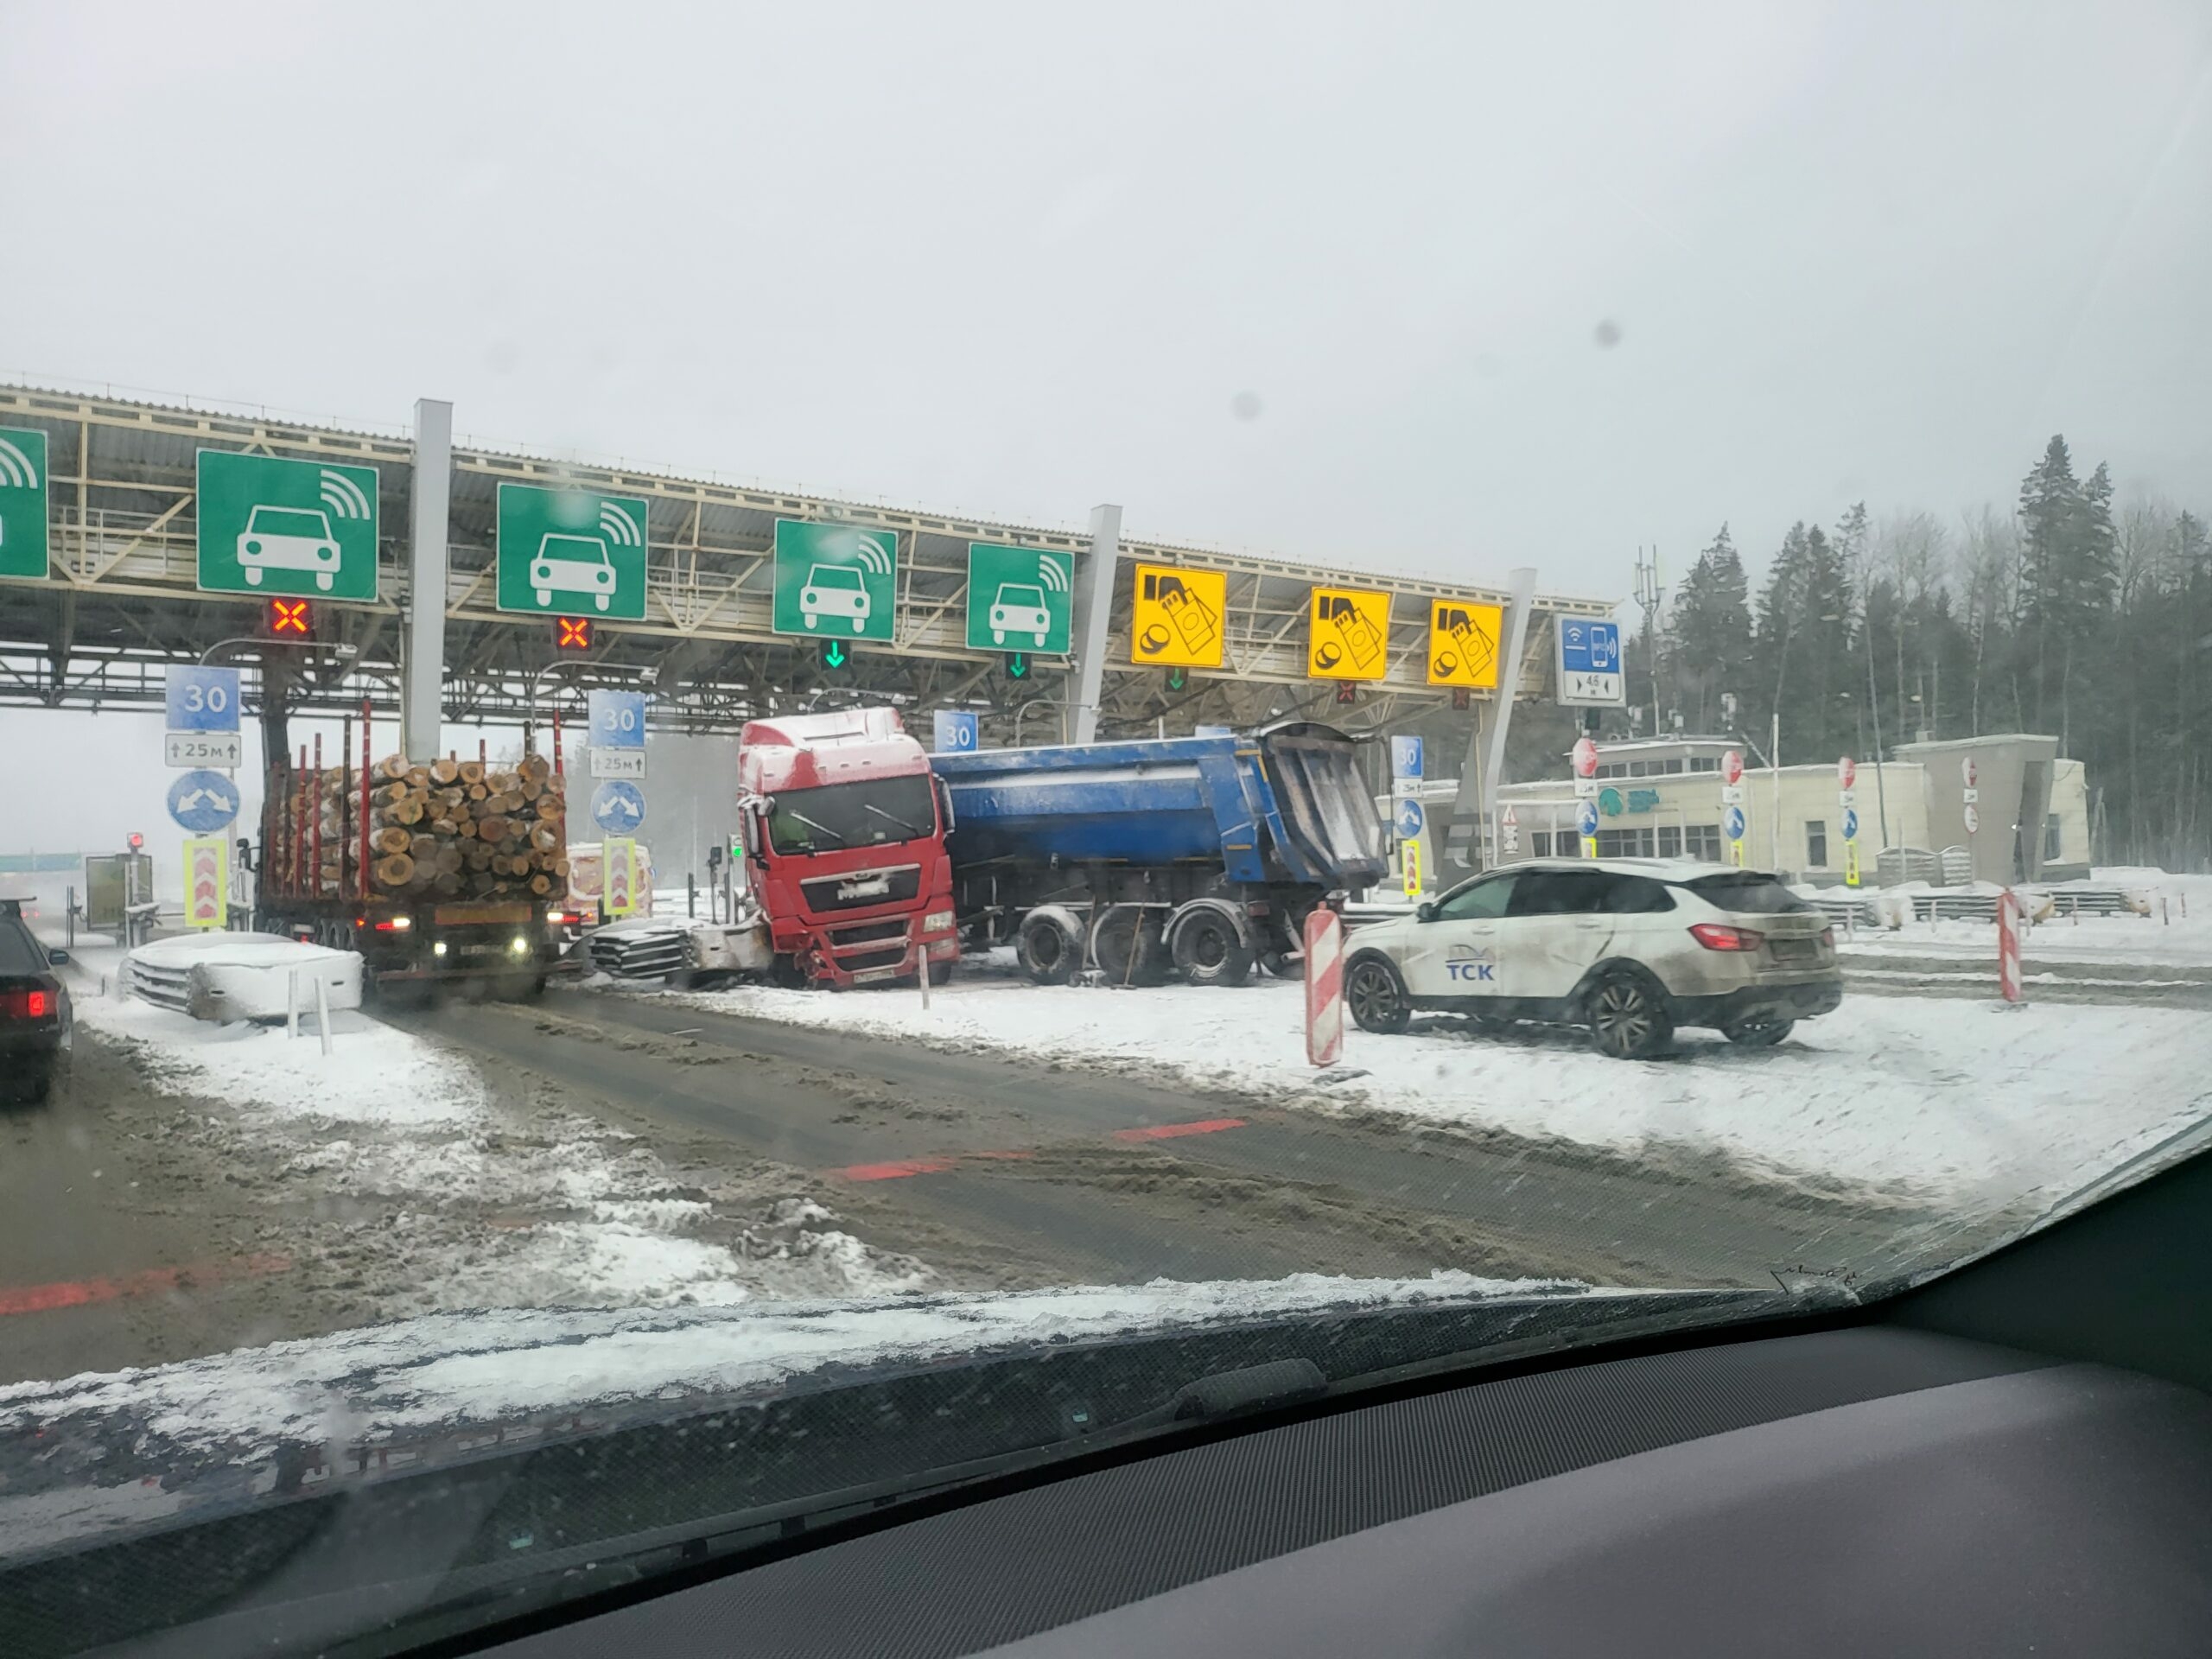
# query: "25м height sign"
{"points": [[268, 524]]}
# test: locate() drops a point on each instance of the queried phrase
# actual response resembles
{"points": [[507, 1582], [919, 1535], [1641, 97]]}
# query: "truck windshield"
{"points": [[852, 815]]}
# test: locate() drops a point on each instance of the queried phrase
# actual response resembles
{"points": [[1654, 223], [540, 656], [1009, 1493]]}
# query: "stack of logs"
{"points": [[452, 830]]}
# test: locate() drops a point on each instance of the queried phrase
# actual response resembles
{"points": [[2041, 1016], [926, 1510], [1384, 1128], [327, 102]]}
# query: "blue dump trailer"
{"points": [[1195, 857]]}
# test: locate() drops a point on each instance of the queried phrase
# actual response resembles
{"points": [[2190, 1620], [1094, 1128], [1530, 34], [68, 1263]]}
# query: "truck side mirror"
{"points": [[943, 801]]}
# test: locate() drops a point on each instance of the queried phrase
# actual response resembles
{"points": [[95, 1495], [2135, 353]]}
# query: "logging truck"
{"points": [[455, 870]]}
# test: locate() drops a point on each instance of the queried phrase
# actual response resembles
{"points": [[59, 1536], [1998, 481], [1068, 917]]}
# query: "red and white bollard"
{"points": [[2008, 946], [1325, 987]]}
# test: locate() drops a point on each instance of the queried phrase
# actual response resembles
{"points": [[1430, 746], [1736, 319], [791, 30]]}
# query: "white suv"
{"points": [[1633, 947]]}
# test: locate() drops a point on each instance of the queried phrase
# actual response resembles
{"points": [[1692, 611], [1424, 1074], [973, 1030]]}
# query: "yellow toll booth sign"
{"points": [[1350, 635], [1463, 643], [1410, 859], [1177, 616]]}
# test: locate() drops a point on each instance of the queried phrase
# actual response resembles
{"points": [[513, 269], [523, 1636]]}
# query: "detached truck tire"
{"points": [[1047, 947]]}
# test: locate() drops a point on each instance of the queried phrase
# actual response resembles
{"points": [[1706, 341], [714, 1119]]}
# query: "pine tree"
{"points": [[1710, 632]]}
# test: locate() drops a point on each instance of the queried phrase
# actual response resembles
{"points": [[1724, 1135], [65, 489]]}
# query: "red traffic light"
{"points": [[290, 618], [572, 633], [138, 840]]}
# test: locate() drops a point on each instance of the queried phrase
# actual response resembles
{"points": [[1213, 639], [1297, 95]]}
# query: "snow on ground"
{"points": [[468, 1202], [1949, 1102], [358, 1385], [2176, 933]]}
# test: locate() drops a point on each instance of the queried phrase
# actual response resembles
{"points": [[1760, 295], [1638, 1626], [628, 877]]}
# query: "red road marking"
{"points": [[892, 1172], [1170, 1131], [78, 1292], [899, 1169]]}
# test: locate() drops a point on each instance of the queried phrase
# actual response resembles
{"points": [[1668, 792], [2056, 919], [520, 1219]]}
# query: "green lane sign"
{"points": [[271, 526], [1019, 598], [22, 502], [571, 553], [836, 581]]}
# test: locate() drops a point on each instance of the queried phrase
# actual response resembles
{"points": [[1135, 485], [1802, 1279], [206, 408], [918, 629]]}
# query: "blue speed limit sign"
{"points": [[1734, 823], [1586, 818], [1850, 823]]}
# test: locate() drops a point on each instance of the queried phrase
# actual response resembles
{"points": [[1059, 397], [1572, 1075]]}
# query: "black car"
{"points": [[34, 1015]]}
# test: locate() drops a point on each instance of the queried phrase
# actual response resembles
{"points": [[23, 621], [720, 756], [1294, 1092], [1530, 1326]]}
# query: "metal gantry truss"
{"points": [[119, 601]]}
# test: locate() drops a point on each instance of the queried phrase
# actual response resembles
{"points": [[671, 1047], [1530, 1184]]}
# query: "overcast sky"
{"points": [[1333, 283]]}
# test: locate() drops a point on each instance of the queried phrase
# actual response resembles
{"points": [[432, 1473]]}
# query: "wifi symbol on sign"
{"points": [[619, 526], [16, 472], [344, 498], [1053, 574], [874, 556]]}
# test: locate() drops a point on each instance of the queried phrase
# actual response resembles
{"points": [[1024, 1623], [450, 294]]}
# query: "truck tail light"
{"points": [[565, 918], [1714, 937], [394, 924]]}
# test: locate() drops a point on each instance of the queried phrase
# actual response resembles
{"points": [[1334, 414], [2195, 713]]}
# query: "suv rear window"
{"points": [[20, 953], [1760, 894]]}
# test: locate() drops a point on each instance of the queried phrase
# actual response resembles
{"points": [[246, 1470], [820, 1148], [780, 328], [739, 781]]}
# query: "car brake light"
{"points": [[1714, 937], [34, 1004], [26, 1005]]}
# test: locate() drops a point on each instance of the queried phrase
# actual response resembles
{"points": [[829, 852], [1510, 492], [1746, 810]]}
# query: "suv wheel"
{"points": [[1377, 996], [1759, 1031], [1628, 1017]]}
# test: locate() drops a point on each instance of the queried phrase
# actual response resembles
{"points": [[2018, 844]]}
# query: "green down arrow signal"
{"points": [[835, 654], [1017, 665]]}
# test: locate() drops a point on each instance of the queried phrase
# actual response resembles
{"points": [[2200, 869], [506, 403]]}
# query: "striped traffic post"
{"points": [[1325, 987], [2008, 945]]}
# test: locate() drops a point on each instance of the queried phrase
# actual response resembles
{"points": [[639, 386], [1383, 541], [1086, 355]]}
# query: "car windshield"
{"points": [[284, 521], [988, 711], [851, 815]]}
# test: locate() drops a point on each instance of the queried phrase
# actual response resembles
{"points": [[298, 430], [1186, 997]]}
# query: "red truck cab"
{"points": [[843, 827]]}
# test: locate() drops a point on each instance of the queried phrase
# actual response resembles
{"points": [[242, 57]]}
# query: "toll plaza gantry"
{"points": [[162, 532]]}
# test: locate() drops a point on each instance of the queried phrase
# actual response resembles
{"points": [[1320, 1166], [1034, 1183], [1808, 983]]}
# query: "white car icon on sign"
{"points": [[573, 564], [288, 538], [834, 590], [1019, 609]]}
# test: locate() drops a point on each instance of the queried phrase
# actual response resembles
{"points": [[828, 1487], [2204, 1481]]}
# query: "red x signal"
{"points": [[572, 633], [291, 618]]}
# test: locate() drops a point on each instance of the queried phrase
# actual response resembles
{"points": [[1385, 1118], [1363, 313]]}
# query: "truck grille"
{"points": [[859, 962], [858, 889], [862, 932]]}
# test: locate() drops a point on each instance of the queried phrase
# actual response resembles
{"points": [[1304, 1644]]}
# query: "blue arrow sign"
{"points": [[1732, 822], [203, 802], [1409, 819], [618, 807], [203, 699], [618, 719], [1586, 818], [1850, 823]]}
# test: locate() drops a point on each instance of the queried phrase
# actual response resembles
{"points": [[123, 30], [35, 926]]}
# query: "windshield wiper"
{"points": [[821, 828], [914, 831]]}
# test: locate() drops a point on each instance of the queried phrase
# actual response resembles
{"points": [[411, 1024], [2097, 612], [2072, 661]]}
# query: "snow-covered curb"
{"points": [[1945, 1102]]}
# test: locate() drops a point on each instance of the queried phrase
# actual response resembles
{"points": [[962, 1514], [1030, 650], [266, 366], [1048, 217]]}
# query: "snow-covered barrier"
{"points": [[224, 977]]}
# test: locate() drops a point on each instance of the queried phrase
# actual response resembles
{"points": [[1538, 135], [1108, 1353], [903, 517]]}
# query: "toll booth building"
{"points": [[1660, 798]]}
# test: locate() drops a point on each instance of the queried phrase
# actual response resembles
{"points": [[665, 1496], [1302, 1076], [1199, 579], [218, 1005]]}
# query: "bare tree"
{"points": [[1989, 565]]}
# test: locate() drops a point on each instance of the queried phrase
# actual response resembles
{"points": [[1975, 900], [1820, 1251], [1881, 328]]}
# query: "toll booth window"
{"points": [[1704, 763], [1671, 841], [1702, 840], [1540, 844], [1816, 843], [2051, 836]]}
